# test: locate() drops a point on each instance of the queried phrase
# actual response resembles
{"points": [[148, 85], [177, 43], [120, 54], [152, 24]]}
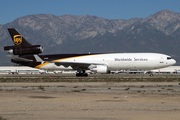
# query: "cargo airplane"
{"points": [[28, 55]]}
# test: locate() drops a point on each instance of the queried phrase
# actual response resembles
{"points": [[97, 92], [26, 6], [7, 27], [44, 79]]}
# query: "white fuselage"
{"points": [[118, 61]]}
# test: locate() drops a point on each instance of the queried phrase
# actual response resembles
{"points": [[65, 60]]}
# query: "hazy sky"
{"points": [[110, 9]]}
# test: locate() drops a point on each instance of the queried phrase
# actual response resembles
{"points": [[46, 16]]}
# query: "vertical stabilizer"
{"points": [[21, 45], [17, 38]]}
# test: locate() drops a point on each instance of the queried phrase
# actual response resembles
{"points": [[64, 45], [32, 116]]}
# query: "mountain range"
{"points": [[159, 32]]}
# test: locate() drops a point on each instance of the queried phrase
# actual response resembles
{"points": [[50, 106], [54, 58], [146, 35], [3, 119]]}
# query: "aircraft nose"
{"points": [[173, 61]]}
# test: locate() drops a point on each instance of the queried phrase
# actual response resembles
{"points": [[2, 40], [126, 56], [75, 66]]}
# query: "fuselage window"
{"points": [[168, 58]]}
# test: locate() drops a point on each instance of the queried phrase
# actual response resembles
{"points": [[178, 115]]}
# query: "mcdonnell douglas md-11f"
{"points": [[28, 55]]}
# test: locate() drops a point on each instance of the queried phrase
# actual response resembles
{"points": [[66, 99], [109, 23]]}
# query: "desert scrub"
{"points": [[41, 88], [138, 91], [1, 118], [127, 88], [75, 91]]}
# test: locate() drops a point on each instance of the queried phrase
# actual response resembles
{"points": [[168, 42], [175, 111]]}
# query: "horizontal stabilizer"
{"points": [[19, 59]]}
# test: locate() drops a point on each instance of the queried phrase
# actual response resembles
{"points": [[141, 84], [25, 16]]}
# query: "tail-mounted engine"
{"points": [[17, 50]]}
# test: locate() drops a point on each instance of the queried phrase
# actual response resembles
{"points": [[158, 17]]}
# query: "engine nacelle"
{"points": [[35, 49], [99, 68]]}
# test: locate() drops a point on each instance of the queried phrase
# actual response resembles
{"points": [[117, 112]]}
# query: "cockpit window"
{"points": [[168, 58]]}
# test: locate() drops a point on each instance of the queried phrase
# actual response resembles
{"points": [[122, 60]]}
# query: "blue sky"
{"points": [[110, 9]]}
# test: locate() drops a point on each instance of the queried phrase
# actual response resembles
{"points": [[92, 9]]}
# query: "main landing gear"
{"points": [[81, 73], [151, 74]]}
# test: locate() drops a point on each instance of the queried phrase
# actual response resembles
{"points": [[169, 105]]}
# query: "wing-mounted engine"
{"points": [[16, 50], [99, 68]]}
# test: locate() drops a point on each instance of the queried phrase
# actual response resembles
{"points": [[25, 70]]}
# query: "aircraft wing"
{"points": [[76, 65], [19, 59]]}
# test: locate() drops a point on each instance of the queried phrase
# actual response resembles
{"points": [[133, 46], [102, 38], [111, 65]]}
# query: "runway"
{"points": [[84, 98], [90, 78]]}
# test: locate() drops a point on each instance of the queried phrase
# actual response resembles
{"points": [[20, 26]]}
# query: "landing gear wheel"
{"points": [[81, 74], [77, 74], [85, 74], [151, 74]]}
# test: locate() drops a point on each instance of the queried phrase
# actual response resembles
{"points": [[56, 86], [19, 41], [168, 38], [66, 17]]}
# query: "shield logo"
{"points": [[17, 39]]}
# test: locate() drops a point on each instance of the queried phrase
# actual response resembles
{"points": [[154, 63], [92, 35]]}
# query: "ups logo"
{"points": [[17, 39]]}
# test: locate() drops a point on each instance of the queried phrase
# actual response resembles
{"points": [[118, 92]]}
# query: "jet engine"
{"points": [[34, 49], [99, 68]]}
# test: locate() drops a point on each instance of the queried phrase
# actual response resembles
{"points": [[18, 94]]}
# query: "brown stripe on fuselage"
{"points": [[59, 57], [73, 57]]}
